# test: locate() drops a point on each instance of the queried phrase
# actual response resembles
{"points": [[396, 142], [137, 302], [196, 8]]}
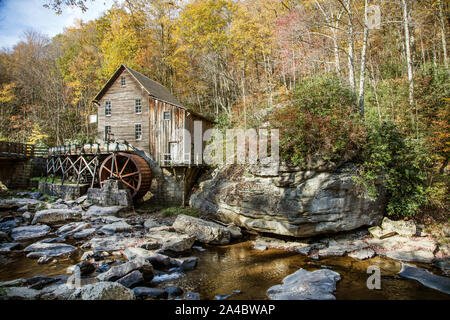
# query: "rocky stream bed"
{"points": [[75, 250]]}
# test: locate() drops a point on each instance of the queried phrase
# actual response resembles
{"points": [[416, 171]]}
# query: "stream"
{"points": [[239, 268]]}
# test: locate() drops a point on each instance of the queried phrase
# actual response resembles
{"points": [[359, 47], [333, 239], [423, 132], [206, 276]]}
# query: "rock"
{"points": [[40, 249], [117, 272], [4, 236], [9, 224], [23, 209], [421, 256], [29, 232], [84, 233], [426, 278], [154, 258], [55, 216], [132, 279], [81, 199], [16, 203], [172, 241], [39, 282], [305, 285], [174, 291], [341, 247], [113, 243], [403, 228], [96, 211], [44, 260], [112, 228], [300, 202], [411, 249], [203, 231], [8, 246], [151, 244], [185, 263], [59, 206], [59, 291], [27, 216], [22, 293], [13, 283], [260, 247], [86, 268], [362, 254], [73, 227], [444, 265], [167, 277], [235, 231], [103, 267], [151, 223], [103, 291], [143, 292], [191, 296]]}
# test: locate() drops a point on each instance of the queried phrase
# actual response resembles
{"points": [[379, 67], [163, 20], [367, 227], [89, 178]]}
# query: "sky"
{"points": [[17, 16]]}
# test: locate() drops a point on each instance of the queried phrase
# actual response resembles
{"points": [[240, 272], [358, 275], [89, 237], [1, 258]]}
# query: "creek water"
{"points": [[224, 269]]}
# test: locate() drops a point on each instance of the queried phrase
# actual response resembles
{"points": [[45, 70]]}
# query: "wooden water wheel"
{"points": [[129, 168]]}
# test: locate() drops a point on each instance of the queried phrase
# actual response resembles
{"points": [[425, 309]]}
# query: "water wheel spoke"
{"points": [[124, 166], [130, 174], [132, 187]]}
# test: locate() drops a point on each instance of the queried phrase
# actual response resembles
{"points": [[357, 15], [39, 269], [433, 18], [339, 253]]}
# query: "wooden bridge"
{"points": [[17, 151], [19, 162]]}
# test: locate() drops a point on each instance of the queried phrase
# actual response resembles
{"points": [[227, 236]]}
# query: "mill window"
{"points": [[107, 132], [166, 115], [138, 131], [123, 80], [138, 106], [107, 108]]}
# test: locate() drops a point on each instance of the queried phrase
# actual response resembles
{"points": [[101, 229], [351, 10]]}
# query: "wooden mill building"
{"points": [[144, 113]]}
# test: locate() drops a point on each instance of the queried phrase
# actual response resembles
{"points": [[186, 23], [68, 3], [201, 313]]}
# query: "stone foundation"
{"points": [[172, 186], [113, 193], [65, 191]]}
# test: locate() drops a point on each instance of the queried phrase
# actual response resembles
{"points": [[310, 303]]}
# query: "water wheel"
{"points": [[129, 168]]}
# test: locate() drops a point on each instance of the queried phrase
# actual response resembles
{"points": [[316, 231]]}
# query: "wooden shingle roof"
{"points": [[153, 88]]}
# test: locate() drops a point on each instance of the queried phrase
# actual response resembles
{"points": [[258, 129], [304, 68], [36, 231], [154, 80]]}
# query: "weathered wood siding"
{"points": [[123, 116], [166, 136]]}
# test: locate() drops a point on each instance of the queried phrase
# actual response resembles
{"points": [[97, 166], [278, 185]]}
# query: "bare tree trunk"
{"points": [[409, 61], [443, 34], [351, 70], [362, 72]]}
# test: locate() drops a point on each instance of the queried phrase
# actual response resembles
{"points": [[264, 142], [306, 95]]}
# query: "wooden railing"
{"points": [[21, 150]]}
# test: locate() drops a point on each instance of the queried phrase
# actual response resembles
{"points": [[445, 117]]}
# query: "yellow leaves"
{"points": [[7, 92], [36, 135]]}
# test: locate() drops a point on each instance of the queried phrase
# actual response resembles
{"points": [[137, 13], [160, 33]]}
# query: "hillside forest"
{"points": [[341, 80]]}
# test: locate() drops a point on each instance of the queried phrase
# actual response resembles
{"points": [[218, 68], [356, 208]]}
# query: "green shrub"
{"points": [[322, 121], [174, 211], [402, 166]]}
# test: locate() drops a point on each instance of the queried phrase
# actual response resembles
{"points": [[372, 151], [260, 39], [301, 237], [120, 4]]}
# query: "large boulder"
{"points": [[15, 203], [42, 249], [29, 232], [103, 291], [97, 211], [117, 272], [203, 231], [55, 216], [305, 285], [426, 278], [288, 200], [172, 241]]}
